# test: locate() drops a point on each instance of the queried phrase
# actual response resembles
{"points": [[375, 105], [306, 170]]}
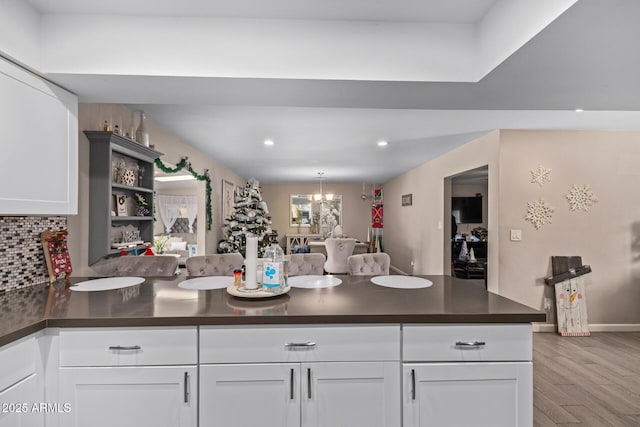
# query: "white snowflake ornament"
{"points": [[539, 213], [540, 175], [581, 197]]}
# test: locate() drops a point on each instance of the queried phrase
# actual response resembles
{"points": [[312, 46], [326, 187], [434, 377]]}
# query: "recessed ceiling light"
{"points": [[268, 142], [579, 110], [383, 143]]}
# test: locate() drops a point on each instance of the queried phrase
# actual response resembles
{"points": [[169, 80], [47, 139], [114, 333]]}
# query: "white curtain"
{"points": [[191, 203], [169, 208]]}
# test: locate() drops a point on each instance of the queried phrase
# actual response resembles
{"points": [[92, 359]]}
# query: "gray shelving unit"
{"points": [[106, 151]]}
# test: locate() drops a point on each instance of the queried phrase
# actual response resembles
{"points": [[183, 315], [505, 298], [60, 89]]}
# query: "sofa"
{"points": [[178, 243]]}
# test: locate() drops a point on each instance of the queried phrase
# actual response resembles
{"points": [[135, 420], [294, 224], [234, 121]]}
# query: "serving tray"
{"points": [[242, 292]]}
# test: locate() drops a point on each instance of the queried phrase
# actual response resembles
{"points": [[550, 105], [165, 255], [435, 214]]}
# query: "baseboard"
{"points": [[398, 271], [593, 327], [614, 327], [544, 327]]}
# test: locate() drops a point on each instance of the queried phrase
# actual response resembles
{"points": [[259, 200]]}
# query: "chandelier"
{"points": [[320, 197]]}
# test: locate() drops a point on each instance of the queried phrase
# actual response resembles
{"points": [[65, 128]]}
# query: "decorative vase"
{"points": [[142, 135]]}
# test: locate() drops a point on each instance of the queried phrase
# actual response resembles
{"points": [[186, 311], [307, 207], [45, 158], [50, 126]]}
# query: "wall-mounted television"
{"points": [[467, 210]]}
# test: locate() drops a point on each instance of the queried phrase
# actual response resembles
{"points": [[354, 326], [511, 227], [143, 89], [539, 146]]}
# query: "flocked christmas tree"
{"points": [[250, 216]]}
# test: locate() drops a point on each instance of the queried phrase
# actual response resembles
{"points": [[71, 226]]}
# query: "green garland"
{"points": [[186, 164]]}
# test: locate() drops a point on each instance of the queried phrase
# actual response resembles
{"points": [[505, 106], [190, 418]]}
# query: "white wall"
{"points": [[91, 117], [417, 233], [607, 237]]}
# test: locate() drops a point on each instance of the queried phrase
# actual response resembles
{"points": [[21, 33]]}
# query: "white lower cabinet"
{"points": [[158, 396], [21, 385], [467, 375], [467, 394], [351, 394], [332, 394], [307, 376], [266, 395], [274, 376], [129, 377], [21, 404]]}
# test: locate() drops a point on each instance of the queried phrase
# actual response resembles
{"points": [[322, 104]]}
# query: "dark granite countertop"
{"points": [[160, 302]]}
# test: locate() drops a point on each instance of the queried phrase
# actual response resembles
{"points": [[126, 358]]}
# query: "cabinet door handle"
{"points": [[291, 392], [300, 345], [413, 384], [470, 344], [186, 387], [309, 383], [125, 347]]}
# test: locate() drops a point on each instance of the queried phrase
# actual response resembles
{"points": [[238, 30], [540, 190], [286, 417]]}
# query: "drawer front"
{"points": [[17, 361], [299, 344], [467, 343], [128, 346]]}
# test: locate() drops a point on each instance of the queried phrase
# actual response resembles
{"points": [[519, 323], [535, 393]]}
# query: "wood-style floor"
{"points": [[586, 381]]}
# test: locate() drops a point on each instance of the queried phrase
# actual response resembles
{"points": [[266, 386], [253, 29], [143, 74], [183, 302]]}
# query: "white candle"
{"points": [[251, 263], [368, 234]]}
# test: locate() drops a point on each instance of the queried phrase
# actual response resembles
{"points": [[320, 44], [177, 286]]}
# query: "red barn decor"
{"points": [[56, 254]]}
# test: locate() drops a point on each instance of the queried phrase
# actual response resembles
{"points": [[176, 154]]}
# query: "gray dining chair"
{"points": [[306, 264], [376, 264], [144, 266], [214, 264]]}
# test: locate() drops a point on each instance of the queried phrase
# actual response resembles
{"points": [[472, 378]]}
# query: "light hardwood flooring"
{"points": [[586, 381]]}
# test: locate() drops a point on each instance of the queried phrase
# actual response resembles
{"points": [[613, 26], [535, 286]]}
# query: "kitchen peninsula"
{"points": [[382, 352]]}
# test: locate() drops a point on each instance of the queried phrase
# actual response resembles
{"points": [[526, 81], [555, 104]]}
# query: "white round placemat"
{"points": [[401, 282], [313, 281], [207, 282], [107, 283]]}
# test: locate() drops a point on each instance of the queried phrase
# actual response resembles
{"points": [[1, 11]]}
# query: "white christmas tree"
{"points": [[249, 217], [463, 252]]}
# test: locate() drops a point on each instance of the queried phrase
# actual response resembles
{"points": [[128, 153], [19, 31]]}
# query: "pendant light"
{"points": [[320, 197]]}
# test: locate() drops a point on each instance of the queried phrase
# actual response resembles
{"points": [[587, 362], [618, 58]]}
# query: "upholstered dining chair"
{"points": [[306, 264], [338, 250], [376, 264], [214, 265], [145, 266]]}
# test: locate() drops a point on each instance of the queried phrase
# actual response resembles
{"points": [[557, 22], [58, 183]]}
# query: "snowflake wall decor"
{"points": [[539, 213], [540, 175], [581, 197]]}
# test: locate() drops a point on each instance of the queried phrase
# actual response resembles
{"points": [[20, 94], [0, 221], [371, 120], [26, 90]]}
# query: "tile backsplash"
{"points": [[22, 261]]}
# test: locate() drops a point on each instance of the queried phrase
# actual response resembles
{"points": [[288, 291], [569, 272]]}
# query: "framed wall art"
{"points": [[227, 198]]}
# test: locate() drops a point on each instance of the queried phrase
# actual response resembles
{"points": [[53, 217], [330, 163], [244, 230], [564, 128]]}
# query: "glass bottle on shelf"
{"points": [[142, 135], [140, 175]]}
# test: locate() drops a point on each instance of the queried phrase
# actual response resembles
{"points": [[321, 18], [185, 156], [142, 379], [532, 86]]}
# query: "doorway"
{"points": [[466, 239]]}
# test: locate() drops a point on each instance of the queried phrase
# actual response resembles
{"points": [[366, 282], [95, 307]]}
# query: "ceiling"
{"points": [[327, 80]]}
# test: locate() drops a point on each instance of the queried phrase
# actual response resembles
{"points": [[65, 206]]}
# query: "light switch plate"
{"points": [[516, 235]]}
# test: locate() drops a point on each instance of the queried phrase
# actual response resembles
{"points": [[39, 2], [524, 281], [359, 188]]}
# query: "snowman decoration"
{"points": [[571, 308]]}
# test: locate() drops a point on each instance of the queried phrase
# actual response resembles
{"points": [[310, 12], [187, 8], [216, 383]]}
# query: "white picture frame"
{"points": [[228, 189], [121, 205]]}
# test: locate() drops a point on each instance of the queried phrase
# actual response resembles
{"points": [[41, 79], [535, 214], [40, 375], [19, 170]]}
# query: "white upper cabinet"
{"points": [[39, 140]]}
